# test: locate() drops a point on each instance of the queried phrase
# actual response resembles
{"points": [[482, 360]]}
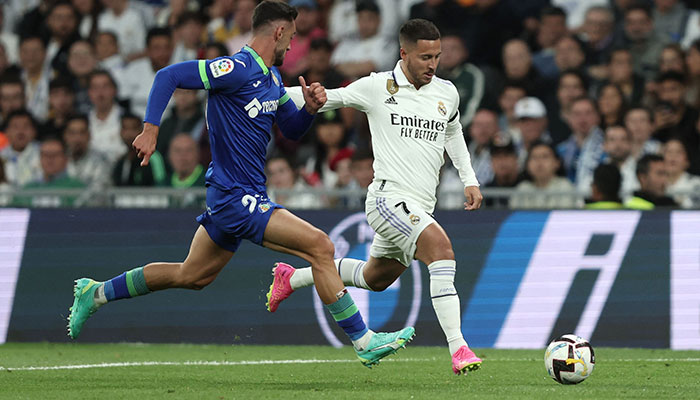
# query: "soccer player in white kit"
{"points": [[413, 118]]}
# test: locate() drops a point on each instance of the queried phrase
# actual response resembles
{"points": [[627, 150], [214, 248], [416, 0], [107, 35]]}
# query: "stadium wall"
{"points": [[620, 278]]}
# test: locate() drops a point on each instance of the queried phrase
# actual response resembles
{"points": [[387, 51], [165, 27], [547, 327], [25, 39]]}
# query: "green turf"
{"points": [[417, 372]]}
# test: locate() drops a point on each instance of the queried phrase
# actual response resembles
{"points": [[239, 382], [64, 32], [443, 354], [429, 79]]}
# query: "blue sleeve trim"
{"points": [[292, 122], [184, 75]]}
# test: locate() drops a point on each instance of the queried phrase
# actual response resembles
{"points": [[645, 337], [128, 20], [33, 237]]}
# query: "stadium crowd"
{"points": [[600, 97]]}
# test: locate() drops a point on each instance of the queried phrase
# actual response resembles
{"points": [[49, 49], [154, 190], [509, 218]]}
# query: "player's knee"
{"points": [[322, 247], [379, 285], [440, 251]]}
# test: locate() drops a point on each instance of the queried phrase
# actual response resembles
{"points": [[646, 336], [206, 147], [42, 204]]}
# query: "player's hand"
{"points": [[145, 142], [314, 96], [474, 198]]}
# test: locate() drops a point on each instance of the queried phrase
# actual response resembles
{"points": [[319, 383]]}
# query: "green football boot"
{"points": [[83, 306], [384, 344]]}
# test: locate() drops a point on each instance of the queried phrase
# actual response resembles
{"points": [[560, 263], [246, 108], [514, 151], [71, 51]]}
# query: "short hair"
{"points": [[22, 112], [156, 32], [32, 36], [608, 180], [640, 6], [417, 29], [321, 43], [647, 111], [108, 33], [617, 126], [643, 163], [77, 117], [367, 5], [552, 11], [586, 99], [503, 149], [130, 116], [671, 76], [61, 82], [581, 77], [57, 139], [9, 78], [272, 10], [220, 47], [66, 3], [102, 72], [189, 16]]}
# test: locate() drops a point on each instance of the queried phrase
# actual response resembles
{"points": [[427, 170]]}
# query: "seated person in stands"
{"points": [[183, 156], [128, 170], [544, 185], [605, 188], [504, 162], [653, 180]]}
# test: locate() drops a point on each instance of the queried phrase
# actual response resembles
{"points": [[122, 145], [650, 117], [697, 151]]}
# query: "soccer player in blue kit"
{"points": [[246, 97]]}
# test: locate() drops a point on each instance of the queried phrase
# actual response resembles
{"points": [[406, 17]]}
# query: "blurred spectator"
{"points": [[9, 40], [653, 180], [128, 170], [483, 131], [639, 122], [243, 20], [320, 69], [5, 65], [81, 63], [582, 152], [171, 13], [183, 156], [618, 152], [552, 27], [612, 105], [187, 116], [504, 162], [84, 162], [597, 33], [621, 73], [127, 24], [342, 19], [672, 115], [137, 77], [684, 187], [33, 20], [467, 77], [569, 54], [35, 76], [21, 155], [576, 10], [61, 106], [222, 25], [88, 12], [214, 50], [543, 185], [511, 93], [639, 37], [306, 23], [692, 62], [517, 66], [531, 119], [361, 168], [369, 51], [670, 19], [672, 59], [5, 188], [188, 33], [605, 189], [571, 85], [54, 161], [107, 52], [281, 175], [105, 115], [11, 95], [62, 22], [331, 145]]}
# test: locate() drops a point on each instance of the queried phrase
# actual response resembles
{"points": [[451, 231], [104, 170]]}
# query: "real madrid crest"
{"points": [[391, 86], [414, 219], [274, 79], [442, 109]]}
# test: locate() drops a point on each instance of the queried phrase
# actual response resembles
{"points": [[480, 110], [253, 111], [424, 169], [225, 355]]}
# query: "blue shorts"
{"points": [[236, 214]]}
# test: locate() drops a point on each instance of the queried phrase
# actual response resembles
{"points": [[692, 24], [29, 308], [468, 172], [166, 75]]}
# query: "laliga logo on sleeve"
{"points": [[352, 238], [221, 67]]}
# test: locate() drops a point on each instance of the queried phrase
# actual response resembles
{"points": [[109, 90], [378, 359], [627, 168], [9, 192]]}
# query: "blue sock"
{"points": [[127, 285], [348, 317]]}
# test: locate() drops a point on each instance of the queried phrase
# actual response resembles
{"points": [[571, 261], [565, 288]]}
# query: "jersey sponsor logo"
{"points": [[352, 238], [390, 100], [254, 107], [418, 128], [391, 86], [441, 108], [221, 67]]}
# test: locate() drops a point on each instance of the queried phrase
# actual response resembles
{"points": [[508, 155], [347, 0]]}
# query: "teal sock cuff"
{"points": [[341, 305], [135, 276]]}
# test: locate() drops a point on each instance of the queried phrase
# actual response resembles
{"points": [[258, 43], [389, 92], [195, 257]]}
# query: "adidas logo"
{"points": [[390, 100]]}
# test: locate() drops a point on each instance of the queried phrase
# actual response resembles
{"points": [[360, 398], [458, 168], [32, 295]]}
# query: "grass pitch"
{"points": [[139, 371]]}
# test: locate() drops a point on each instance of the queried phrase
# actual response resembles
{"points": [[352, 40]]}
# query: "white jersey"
{"points": [[410, 128]]}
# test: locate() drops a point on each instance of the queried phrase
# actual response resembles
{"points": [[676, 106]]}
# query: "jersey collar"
{"points": [[257, 59], [399, 76]]}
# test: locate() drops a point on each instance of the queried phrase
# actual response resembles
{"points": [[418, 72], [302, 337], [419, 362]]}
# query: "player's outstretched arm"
{"points": [[145, 142], [314, 96], [295, 122]]}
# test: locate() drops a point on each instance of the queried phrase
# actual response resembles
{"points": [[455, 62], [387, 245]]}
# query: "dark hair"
{"points": [[77, 117], [671, 76], [220, 47], [55, 138], [156, 32], [108, 33], [362, 153], [581, 77], [618, 126], [646, 110], [321, 43], [503, 149], [9, 78], [418, 29], [61, 82], [272, 10], [619, 118], [3, 178], [608, 180], [129, 115], [643, 163], [32, 36], [537, 143], [102, 72], [367, 5], [513, 84], [552, 11], [189, 16], [22, 113], [640, 6], [589, 100], [67, 3], [683, 143]]}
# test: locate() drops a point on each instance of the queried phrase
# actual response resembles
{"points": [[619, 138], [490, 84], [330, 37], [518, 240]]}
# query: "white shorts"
{"points": [[397, 223]]}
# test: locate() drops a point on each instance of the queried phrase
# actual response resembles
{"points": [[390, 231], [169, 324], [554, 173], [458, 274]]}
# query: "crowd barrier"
{"points": [[619, 278]]}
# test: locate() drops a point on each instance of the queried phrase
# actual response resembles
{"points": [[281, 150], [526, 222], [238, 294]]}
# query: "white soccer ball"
{"points": [[569, 359]]}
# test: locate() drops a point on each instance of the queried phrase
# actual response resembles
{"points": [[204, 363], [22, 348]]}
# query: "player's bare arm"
{"points": [[474, 198], [314, 96], [145, 142]]}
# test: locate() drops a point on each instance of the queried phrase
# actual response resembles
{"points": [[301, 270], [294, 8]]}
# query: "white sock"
{"points": [[351, 272], [100, 298], [446, 301], [361, 343]]}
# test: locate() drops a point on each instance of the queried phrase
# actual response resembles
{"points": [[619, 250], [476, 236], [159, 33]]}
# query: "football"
{"points": [[569, 359]]}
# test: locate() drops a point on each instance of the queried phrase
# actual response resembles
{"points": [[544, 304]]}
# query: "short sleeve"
{"points": [[223, 73]]}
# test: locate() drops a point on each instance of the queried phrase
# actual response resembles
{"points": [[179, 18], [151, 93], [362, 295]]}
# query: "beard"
{"points": [[279, 57]]}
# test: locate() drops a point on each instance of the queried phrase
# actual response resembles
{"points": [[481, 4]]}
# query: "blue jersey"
{"points": [[244, 95]]}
